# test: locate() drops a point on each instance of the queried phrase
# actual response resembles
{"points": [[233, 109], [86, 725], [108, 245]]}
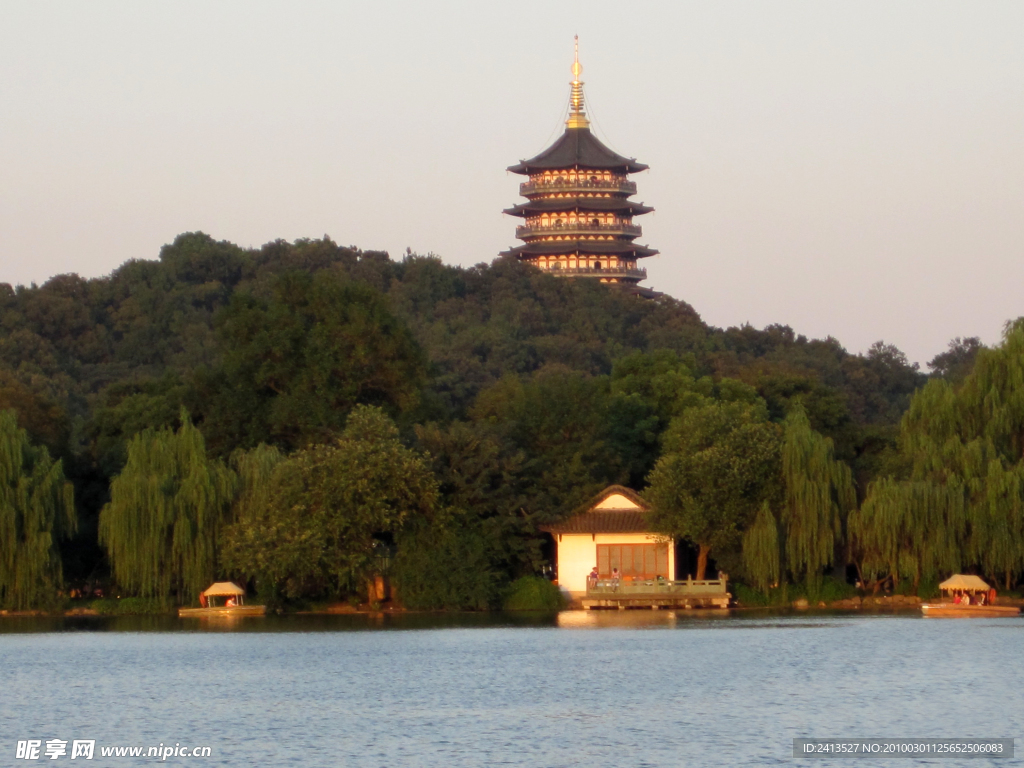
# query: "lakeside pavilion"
{"points": [[578, 218], [610, 531]]}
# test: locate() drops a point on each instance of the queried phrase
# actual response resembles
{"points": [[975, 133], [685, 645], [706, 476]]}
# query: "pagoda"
{"points": [[578, 216]]}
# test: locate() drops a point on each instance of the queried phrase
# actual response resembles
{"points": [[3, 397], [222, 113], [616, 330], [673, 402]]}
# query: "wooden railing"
{"points": [[634, 272], [609, 587], [527, 230], [565, 185]]}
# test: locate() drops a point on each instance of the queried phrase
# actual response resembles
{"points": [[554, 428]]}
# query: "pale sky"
{"points": [[849, 169]]}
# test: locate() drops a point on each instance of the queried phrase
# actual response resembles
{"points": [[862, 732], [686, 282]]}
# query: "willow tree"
{"points": [[997, 543], [992, 417], [909, 529], [36, 510], [960, 503], [161, 525], [761, 551], [819, 493]]}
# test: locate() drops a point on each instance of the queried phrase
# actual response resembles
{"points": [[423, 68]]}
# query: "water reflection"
{"points": [[599, 619], [359, 622]]}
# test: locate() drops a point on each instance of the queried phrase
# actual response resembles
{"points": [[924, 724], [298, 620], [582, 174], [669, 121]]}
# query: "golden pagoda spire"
{"points": [[577, 116]]}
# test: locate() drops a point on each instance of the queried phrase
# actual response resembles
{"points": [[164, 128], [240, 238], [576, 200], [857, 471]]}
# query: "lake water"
{"points": [[578, 689]]}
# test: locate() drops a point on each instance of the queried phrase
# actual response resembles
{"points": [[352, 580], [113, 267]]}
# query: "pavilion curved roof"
{"points": [[578, 147], [550, 247], [580, 203], [592, 517]]}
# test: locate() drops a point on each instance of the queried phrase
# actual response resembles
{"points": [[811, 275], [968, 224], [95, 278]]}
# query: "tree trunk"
{"points": [[702, 560]]}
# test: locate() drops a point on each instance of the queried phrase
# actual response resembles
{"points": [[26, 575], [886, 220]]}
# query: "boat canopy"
{"points": [[222, 588], [964, 583]]}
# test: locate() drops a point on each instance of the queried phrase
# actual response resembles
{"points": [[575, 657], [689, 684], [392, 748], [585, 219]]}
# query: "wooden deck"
{"points": [[689, 594]]}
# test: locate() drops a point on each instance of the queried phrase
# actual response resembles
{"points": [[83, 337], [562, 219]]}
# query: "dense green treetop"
{"points": [[957, 361], [73, 339], [295, 364]]}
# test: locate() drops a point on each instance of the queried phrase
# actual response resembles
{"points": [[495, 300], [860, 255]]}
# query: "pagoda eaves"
{"points": [[578, 148], [549, 204]]}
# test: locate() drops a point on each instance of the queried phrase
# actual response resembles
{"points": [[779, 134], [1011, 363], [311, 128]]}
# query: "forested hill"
{"points": [[74, 346], [565, 379]]}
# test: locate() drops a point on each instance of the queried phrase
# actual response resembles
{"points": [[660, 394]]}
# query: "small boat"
{"points": [[233, 605], [973, 600]]}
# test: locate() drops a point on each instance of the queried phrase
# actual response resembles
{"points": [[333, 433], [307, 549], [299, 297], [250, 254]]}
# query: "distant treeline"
{"points": [[303, 416]]}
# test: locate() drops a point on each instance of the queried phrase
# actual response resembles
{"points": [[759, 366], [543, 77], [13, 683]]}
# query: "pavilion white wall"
{"points": [[577, 554]]}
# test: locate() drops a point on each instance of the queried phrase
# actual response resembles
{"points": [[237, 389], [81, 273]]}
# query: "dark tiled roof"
{"points": [[610, 520], [603, 521], [639, 290], [578, 147], [550, 247], [546, 204]]}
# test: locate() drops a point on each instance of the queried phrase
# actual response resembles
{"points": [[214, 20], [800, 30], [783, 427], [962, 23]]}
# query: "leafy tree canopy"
{"points": [[956, 362], [312, 523], [295, 364], [721, 463], [558, 419]]}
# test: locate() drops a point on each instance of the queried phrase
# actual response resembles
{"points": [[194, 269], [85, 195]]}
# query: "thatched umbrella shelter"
{"points": [[972, 598], [225, 589], [960, 582]]}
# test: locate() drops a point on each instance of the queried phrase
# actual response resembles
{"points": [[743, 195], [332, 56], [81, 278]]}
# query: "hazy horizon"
{"points": [[850, 170]]}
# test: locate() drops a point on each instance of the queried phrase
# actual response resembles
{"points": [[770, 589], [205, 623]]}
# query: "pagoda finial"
{"points": [[577, 115]]}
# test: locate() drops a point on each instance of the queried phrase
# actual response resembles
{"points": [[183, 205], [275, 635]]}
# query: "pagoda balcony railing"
{"points": [[579, 227], [584, 185], [637, 273]]}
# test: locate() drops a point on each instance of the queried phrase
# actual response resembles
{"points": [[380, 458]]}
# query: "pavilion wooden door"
{"points": [[638, 561]]}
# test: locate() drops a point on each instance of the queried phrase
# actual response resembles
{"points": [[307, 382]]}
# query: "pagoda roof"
{"points": [[551, 247], [547, 204], [577, 147]]}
